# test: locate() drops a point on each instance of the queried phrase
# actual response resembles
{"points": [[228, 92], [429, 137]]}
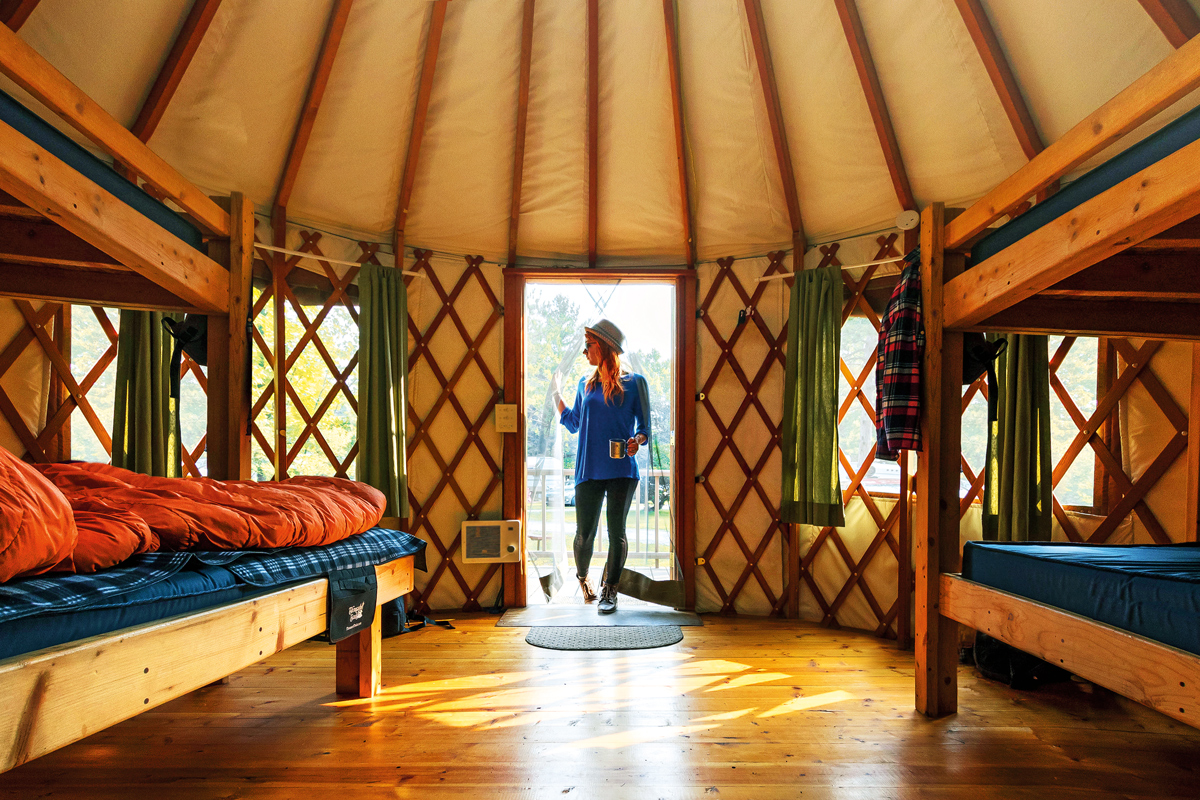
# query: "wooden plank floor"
{"points": [[742, 708]]}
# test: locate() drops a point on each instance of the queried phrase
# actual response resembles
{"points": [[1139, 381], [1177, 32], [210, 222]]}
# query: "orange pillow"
{"points": [[37, 528]]}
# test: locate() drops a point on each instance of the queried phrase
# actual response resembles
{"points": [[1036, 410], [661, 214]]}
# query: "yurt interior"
{"points": [[337, 335]]}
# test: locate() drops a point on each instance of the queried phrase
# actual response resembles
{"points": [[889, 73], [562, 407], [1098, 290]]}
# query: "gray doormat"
{"points": [[611, 638], [585, 616]]}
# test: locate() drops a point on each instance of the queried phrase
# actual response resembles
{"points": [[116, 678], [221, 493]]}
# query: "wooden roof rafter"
{"points": [[187, 41], [334, 29], [766, 74], [420, 112], [522, 124], [861, 52], [1175, 18], [670, 15], [13, 13]]}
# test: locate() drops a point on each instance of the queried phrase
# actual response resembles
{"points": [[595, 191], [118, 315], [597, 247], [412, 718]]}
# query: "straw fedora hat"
{"points": [[608, 333]]}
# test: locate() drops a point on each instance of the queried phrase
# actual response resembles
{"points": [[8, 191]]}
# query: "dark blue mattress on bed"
{"points": [[41, 612], [1150, 590], [1155, 147]]}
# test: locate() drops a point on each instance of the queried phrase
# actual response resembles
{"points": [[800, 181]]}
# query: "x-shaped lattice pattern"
{"points": [[886, 525], [448, 376], [291, 440], [752, 472], [1130, 494]]}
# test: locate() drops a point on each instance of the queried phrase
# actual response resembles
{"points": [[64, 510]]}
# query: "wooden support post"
{"points": [[683, 487], [228, 347], [279, 270], [514, 215], [670, 12], [1192, 531], [59, 448], [937, 520], [513, 454], [360, 660]]}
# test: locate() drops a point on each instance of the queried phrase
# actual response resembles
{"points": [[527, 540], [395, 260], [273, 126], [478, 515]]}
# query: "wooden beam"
{"points": [[59, 695], [39, 241], [1003, 79], [1174, 77], [432, 43], [1166, 275], [937, 523], [670, 13], [1175, 18], [593, 124], [84, 284], [312, 101], [13, 13], [1100, 316], [514, 214], [229, 353], [1156, 675], [860, 51], [1164, 194], [783, 157], [38, 179], [513, 444], [684, 490], [35, 75], [1191, 532], [187, 42]]}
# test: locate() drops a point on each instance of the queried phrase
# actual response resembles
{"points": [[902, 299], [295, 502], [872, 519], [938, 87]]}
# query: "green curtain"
{"points": [[145, 416], [812, 492], [383, 384], [1017, 504]]}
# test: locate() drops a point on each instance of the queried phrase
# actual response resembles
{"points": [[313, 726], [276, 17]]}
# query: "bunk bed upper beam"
{"points": [[32, 175], [1171, 79], [1165, 194], [34, 74]]}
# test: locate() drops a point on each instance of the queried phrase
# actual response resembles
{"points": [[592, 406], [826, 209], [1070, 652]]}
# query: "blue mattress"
{"points": [[1150, 590], [86, 164], [42, 612], [1155, 147]]}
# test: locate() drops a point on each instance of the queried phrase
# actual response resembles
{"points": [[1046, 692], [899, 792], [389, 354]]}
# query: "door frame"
{"points": [[683, 490]]}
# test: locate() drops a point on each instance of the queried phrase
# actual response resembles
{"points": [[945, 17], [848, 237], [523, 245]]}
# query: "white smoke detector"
{"points": [[907, 220]]}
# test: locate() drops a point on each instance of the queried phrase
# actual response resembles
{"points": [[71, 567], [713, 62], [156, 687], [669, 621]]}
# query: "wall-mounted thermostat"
{"points": [[506, 418]]}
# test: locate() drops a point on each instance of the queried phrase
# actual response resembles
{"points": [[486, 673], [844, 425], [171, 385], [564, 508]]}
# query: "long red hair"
{"points": [[608, 372]]}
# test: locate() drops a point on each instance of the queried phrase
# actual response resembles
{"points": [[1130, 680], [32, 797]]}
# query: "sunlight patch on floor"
{"points": [[803, 703]]}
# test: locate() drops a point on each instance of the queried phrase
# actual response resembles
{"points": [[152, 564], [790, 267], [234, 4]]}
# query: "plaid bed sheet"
{"points": [[60, 593]]}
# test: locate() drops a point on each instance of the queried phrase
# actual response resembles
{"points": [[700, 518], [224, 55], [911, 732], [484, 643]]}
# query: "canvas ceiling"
{"points": [[229, 125]]}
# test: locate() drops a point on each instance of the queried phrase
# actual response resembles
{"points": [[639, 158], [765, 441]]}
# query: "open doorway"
{"points": [[555, 312]]}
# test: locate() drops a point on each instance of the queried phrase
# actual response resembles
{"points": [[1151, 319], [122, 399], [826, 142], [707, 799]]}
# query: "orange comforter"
{"points": [[114, 513]]}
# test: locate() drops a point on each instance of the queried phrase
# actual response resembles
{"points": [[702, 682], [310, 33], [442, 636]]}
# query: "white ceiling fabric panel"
{"points": [[231, 121], [639, 212], [463, 186], [841, 175], [737, 196], [952, 132], [554, 185], [351, 170]]}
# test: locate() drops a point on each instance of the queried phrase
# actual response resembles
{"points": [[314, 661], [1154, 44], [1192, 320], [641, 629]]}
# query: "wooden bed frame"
{"points": [[71, 241], [1110, 267]]}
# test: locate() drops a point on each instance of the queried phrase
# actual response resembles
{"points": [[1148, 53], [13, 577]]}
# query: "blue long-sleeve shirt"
{"points": [[597, 421]]}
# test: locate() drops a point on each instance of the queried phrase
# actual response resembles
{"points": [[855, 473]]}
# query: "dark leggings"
{"points": [[589, 496]]}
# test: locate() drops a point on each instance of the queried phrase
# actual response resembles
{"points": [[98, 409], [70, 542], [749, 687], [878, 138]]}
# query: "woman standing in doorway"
{"points": [[612, 416]]}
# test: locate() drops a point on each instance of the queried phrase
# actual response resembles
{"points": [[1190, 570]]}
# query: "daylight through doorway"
{"points": [[555, 313]]}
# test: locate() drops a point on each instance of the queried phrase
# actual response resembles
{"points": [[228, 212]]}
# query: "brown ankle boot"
{"points": [[589, 594]]}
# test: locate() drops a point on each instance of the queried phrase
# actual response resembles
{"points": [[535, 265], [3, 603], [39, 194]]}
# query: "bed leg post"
{"points": [[937, 521], [359, 660]]}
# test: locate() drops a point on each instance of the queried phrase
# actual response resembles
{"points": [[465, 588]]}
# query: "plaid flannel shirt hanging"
{"points": [[898, 368]]}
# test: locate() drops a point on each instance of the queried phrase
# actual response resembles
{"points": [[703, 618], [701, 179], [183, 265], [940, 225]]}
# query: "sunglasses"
{"points": [[587, 345]]}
